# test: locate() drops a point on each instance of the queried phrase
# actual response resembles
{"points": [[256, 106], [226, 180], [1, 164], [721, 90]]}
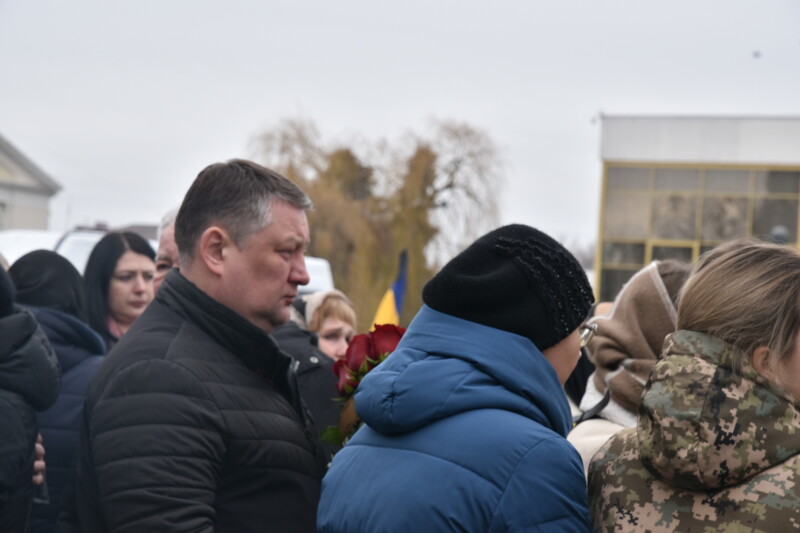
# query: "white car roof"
{"points": [[14, 243]]}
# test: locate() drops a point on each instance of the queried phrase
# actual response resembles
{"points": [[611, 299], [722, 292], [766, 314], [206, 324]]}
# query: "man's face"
{"points": [[261, 278], [167, 256]]}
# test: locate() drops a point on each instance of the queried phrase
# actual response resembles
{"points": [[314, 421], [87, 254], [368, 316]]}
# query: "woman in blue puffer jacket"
{"points": [[465, 422]]}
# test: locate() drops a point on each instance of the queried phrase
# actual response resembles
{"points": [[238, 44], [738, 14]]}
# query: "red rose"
{"points": [[359, 349], [385, 339], [346, 377], [364, 352]]}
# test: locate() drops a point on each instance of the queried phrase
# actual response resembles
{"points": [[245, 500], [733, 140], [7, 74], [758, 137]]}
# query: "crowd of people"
{"points": [[186, 388]]}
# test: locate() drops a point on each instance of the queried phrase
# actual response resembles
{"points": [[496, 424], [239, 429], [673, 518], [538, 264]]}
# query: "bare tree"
{"points": [[428, 194], [465, 190], [293, 147]]}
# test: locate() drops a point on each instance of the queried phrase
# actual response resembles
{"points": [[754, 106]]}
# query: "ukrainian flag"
{"points": [[392, 303]]}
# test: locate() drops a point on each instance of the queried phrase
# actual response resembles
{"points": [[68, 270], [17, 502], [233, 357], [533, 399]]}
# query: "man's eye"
{"points": [[148, 276], [163, 267]]}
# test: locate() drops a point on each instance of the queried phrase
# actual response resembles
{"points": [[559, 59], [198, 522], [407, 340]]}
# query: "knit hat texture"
{"points": [[517, 279]]}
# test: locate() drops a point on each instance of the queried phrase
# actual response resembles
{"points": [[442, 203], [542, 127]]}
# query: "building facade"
{"points": [[25, 190], [674, 187]]}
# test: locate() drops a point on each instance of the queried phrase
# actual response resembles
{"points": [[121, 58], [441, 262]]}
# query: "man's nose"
{"points": [[299, 273]]}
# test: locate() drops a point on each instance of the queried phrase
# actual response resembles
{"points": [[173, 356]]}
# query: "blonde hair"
{"points": [[746, 294], [333, 306]]}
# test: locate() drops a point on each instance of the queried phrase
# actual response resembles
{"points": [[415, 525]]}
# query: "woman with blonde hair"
{"points": [[331, 316], [716, 444], [322, 324]]}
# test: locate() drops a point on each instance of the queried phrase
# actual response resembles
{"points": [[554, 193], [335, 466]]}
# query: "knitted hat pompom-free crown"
{"points": [[517, 279]]}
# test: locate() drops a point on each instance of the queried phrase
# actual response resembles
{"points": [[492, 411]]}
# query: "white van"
{"points": [[319, 270], [14, 243]]}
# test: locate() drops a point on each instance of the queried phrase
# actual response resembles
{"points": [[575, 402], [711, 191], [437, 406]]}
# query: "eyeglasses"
{"points": [[587, 332]]}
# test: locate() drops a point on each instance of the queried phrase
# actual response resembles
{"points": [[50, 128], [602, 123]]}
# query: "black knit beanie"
{"points": [[517, 279]]}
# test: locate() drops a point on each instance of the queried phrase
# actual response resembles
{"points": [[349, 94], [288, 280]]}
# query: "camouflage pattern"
{"points": [[714, 450]]}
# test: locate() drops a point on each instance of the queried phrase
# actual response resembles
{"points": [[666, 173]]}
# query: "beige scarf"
{"points": [[629, 340]]}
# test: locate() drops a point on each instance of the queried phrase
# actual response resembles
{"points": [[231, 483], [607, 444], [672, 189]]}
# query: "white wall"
{"points": [[717, 140]]}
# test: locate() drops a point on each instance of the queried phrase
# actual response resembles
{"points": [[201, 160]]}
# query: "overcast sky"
{"points": [[124, 102]]}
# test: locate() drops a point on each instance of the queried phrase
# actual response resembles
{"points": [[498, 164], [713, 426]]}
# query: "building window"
{"points": [[734, 181], [674, 216], [773, 217], [672, 211], [627, 215], [724, 218]]}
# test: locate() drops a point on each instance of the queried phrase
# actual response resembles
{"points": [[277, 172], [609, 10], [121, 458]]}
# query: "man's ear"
{"points": [[760, 359], [213, 248]]}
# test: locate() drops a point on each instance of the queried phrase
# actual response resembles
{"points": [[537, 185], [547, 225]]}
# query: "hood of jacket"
{"points": [[445, 365], [72, 339], [28, 365], [703, 426], [629, 340]]}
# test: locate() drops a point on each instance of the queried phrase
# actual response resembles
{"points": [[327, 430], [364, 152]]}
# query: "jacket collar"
{"points": [[72, 339], [255, 347], [704, 425]]}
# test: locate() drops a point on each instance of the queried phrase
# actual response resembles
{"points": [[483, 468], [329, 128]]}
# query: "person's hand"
{"points": [[6, 294], [38, 463]]}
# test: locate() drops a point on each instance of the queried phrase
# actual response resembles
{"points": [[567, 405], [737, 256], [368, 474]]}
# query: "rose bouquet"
{"points": [[365, 352]]}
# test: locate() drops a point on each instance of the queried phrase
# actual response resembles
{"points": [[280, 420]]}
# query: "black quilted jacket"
{"points": [[29, 381], [194, 423]]}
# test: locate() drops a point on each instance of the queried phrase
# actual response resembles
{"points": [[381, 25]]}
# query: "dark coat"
{"points": [[80, 352], [194, 423], [29, 381], [315, 377]]}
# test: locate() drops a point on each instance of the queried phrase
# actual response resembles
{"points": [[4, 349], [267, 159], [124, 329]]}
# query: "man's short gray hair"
{"points": [[235, 195], [166, 221]]}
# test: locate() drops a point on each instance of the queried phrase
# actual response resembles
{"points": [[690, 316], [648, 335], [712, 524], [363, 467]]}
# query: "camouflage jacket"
{"points": [[714, 450]]}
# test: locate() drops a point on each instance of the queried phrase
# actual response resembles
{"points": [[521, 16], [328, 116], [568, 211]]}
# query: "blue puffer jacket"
{"points": [[465, 432], [79, 350]]}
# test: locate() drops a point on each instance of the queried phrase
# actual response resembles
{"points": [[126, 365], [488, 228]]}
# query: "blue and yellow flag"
{"points": [[391, 305]]}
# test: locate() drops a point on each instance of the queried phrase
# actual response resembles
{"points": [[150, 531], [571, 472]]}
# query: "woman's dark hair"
{"points": [[99, 269], [45, 279]]}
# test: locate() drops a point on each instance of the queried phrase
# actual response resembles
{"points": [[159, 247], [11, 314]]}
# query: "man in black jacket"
{"points": [[195, 422]]}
